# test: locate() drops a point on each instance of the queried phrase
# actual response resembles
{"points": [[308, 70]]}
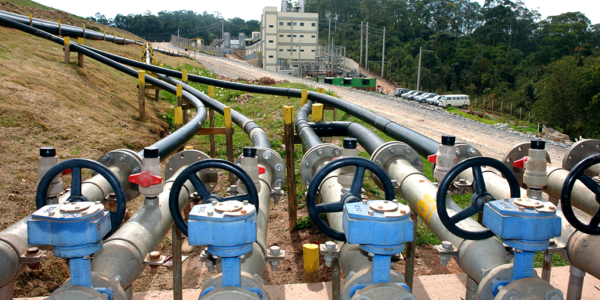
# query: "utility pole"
{"points": [[361, 41], [419, 72], [329, 45], [383, 53], [367, 51]]}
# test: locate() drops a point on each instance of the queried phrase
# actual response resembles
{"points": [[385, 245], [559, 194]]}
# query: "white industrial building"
{"points": [[287, 37]]}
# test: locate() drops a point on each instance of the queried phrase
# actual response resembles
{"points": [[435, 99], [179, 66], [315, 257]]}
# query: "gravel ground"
{"points": [[429, 121]]}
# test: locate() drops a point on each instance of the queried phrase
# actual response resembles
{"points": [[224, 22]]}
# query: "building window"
{"points": [[294, 50], [270, 41], [270, 56], [280, 23], [302, 35], [294, 35], [270, 26], [289, 50], [301, 23], [314, 24], [280, 50], [294, 23], [301, 50], [281, 35], [313, 50], [289, 23], [289, 35], [313, 36]]}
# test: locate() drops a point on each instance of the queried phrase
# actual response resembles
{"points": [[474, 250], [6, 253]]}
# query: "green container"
{"points": [[338, 81]]}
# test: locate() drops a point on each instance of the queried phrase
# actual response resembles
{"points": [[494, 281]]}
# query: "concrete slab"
{"points": [[434, 287]]}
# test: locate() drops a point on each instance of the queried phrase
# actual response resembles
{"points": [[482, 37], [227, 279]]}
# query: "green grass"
{"points": [[491, 120], [28, 3]]}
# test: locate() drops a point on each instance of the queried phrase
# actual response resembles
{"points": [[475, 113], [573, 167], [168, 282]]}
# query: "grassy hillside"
{"points": [[83, 112]]}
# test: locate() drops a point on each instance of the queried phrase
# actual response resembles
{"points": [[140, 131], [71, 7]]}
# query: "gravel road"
{"points": [[429, 121]]}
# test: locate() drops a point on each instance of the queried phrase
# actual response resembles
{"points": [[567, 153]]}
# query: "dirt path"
{"points": [[426, 120]]}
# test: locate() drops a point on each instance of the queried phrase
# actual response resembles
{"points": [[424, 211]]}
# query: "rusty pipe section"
{"points": [[123, 254], [474, 257]]}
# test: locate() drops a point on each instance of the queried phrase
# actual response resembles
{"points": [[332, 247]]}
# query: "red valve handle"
{"points": [[520, 163], [65, 172], [432, 158], [261, 170], [145, 179]]}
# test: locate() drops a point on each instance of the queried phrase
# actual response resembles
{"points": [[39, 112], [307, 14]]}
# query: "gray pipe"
{"points": [[124, 252], [13, 244], [474, 257], [366, 138], [307, 136], [581, 197]]}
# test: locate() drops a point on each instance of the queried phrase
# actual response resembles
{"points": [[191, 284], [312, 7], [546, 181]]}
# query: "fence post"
{"points": [[79, 54], [304, 98], [288, 118], [84, 31], [211, 119], [228, 138], [30, 19], [142, 96], [67, 41], [317, 112]]}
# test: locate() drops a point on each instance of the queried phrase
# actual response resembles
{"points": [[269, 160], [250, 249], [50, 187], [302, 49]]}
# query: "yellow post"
{"points": [[288, 118], [84, 31], [67, 50], [518, 122], [335, 95], [178, 115], [161, 65], [304, 98], [317, 112], [501, 118], [211, 91], [184, 76], [142, 96], [30, 20], [227, 116], [79, 54], [188, 148], [288, 114], [311, 262], [81, 41]]}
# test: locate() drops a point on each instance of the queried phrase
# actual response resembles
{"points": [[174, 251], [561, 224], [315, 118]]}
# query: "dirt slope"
{"points": [[82, 112]]}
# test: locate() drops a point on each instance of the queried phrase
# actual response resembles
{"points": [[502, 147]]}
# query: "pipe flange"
{"points": [[226, 293], [129, 163], [209, 177], [364, 277], [519, 151], [529, 288], [390, 152], [465, 151], [580, 151], [503, 272], [273, 162], [315, 158], [68, 292]]}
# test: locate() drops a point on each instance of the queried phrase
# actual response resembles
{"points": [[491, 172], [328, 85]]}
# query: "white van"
{"points": [[454, 100]]}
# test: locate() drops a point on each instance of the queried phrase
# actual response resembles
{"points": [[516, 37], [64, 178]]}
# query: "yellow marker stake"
{"points": [[227, 116], [188, 148], [335, 95], [80, 40], [162, 65], [311, 261], [67, 41], [211, 91], [317, 112], [184, 76], [178, 116], [30, 18], [304, 97], [288, 114], [141, 77], [179, 90]]}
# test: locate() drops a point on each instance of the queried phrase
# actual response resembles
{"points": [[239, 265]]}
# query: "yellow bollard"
{"points": [[142, 92], [288, 114], [317, 112], [227, 116], [81, 41], [311, 262], [30, 20], [304, 98], [188, 148], [211, 91], [67, 41], [178, 115], [184, 76]]}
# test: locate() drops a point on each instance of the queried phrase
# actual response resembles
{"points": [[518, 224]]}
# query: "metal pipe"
{"points": [[474, 257], [471, 286], [97, 188], [575, 284], [547, 266], [581, 197], [13, 244], [366, 138], [124, 252], [306, 134]]}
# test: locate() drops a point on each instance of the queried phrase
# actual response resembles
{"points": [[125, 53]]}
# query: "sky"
{"points": [[252, 9]]}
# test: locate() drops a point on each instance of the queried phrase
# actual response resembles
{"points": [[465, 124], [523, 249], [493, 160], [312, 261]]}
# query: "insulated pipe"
{"points": [[257, 136], [307, 136], [166, 145], [13, 244], [474, 257], [366, 138], [124, 252], [422, 144]]}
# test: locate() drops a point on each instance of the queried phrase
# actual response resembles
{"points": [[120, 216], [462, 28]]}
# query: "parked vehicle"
{"points": [[434, 100], [454, 100], [405, 95], [412, 97], [423, 98], [399, 91]]}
